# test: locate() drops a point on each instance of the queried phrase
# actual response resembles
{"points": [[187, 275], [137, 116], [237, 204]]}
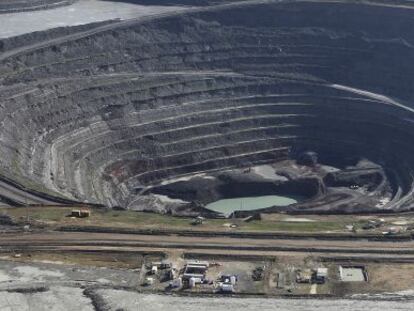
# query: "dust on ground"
{"points": [[130, 301]]}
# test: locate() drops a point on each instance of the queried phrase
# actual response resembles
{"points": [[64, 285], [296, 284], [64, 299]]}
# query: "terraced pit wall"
{"points": [[100, 117]]}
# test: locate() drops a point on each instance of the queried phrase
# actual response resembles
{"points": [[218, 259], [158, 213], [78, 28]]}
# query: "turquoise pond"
{"points": [[227, 206]]}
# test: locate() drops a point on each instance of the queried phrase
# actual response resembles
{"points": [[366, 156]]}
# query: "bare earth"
{"points": [[133, 301], [124, 240]]}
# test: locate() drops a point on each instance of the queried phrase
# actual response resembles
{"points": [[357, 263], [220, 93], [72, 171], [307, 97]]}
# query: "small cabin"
{"points": [[196, 270]]}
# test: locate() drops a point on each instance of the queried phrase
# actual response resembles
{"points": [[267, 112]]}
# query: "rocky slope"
{"points": [[105, 115]]}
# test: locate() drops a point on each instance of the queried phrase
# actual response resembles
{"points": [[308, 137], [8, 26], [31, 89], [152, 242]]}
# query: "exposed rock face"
{"points": [[210, 188], [105, 115]]}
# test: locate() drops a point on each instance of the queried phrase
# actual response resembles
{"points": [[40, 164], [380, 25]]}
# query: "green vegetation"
{"points": [[54, 217], [59, 217]]}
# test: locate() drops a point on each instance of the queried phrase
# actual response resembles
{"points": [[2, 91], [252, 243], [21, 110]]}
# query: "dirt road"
{"points": [[129, 242]]}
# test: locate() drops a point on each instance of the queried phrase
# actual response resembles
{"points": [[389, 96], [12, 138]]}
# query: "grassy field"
{"points": [[58, 217], [317, 226]]}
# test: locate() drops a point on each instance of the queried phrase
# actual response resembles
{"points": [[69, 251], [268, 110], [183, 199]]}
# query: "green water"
{"points": [[227, 206]]}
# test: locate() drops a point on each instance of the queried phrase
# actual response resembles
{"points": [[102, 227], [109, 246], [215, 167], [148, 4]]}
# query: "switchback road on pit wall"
{"points": [[11, 195]]}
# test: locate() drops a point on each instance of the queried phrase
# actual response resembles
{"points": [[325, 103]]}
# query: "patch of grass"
{"points": [[317, 226], [48, 214], [58, 216]]}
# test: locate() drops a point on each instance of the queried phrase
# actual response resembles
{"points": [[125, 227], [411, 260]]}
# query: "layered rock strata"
{"points": [[105, 115]]}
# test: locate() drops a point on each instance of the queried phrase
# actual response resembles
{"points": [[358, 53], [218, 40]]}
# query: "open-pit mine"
{"points": [[188, 104], [256, 119]]}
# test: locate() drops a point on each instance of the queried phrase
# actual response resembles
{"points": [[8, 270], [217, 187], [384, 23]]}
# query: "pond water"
{"points": [[227, 206]]}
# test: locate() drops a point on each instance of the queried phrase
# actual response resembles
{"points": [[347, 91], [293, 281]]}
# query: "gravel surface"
{"points": [[15, 274], [69, 298], [133, 301], [56, 299]]}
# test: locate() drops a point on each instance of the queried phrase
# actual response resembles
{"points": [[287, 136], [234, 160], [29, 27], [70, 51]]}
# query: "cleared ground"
{"points": [[132, 301], [48, 276], [57, 299], [127, 242]]}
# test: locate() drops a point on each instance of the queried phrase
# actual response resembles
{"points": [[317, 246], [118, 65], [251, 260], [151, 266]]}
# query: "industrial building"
{"points": [[353, 274]]}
